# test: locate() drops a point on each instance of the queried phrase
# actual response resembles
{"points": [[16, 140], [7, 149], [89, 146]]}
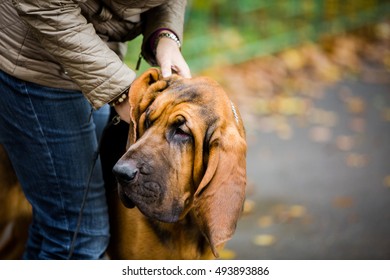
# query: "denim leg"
{"points": [[51, 144], [100, 118]]}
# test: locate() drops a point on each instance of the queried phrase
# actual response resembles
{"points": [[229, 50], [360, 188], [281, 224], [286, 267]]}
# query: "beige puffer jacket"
{"points": [[75, 44]]}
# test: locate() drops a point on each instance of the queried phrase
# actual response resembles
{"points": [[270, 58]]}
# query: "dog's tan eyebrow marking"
{"points": [[234, 112]]}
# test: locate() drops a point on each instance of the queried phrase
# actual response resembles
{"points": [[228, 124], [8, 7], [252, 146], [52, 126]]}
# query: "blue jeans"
{"points": [[51, 143]]}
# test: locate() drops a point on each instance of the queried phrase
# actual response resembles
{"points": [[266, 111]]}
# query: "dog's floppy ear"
{"points": [[142, 93], [219, 198]]}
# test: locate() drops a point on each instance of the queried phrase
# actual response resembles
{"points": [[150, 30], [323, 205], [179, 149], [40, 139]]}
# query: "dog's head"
{"points": [[186, 152]]}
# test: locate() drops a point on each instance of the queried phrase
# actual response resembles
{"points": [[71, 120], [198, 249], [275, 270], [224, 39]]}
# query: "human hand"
{"points": [[123, 110], [169, 58]]}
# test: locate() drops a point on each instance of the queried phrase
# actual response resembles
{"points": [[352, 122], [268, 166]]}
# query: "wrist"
{"points": [[120, 99], [165, 33]]}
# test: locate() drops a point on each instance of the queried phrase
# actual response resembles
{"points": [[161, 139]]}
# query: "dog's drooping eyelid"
{"points": [[148, 121], [180, 131]]}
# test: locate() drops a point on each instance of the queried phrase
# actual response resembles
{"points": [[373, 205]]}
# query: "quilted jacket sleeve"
{"points": [[166, 16], [65, 33]]}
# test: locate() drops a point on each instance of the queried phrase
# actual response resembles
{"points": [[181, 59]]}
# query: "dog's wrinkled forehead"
{"points": [[191, 90], [204, 93]]}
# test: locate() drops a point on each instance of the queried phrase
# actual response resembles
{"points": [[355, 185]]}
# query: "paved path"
{"points": [[320, 188]]}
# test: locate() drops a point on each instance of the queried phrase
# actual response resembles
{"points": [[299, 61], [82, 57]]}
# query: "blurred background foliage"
{"points": [[230, 31]]}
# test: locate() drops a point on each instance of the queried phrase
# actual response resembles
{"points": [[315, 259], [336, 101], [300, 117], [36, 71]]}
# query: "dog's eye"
{"points": [[182, 133], [179, 131], [148, 123]]}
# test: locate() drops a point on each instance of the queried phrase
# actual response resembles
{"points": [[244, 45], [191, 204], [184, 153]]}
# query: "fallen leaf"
{"points": [[356, 160], [386, 181], [264, 240], [261, 106], [329, 73], [307, 220], [265, 221], [343, 202], [386, 61], [293, 59], [344, 143], [386, 114], [322, 117], [226, 254], [382, 30], [249, 205], [355, 105], [320, 134], [291, 106], [297, 211], [281, 213]]}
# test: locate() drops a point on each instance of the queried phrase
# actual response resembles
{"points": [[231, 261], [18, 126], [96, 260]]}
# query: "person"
{"points": [[60, 61]]}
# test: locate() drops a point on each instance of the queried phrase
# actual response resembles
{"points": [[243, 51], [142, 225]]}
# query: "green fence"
{"points": [[232, 31]]}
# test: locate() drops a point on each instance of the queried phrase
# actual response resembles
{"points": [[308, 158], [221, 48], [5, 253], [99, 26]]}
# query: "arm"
{"points": [[168, 17], [65, 33]]}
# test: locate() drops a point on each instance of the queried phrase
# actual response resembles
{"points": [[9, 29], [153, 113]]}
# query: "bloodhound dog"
{"points": [[180, 174], [182, 178]]}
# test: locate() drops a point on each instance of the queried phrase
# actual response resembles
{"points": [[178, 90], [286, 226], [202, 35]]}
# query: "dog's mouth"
{"points": [[133, 191], [126, 201], [137, 188], [148, 193], [150, 202]]}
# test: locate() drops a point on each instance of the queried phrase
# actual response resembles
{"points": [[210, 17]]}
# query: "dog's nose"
{"points": [[125, 172]]}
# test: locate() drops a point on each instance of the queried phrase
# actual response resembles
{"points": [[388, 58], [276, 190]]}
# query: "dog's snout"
{"points": [[125, 172]]}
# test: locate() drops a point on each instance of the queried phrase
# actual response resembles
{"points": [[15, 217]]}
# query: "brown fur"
{"points": [[190, 186], [189, 190], [15, 212]]}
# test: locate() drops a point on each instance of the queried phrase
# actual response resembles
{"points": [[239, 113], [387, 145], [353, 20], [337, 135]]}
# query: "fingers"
{"points": [[182, 70], [170, 59], [166, 69]]}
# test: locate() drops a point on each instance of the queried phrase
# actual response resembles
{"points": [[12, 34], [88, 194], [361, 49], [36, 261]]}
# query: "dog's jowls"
{"points": [[183, 176]]}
